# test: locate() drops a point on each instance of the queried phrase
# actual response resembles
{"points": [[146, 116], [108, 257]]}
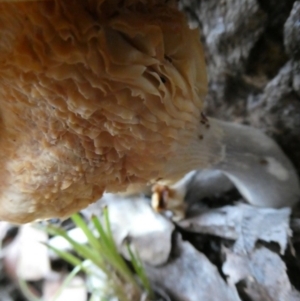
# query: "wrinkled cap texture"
{"points": [[94, 96]]}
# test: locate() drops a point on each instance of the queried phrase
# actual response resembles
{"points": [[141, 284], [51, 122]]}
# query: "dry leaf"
{"points": [[190, 276], [244, 223], [264, 273], [75, 291], [26, 257], [133, 220]]}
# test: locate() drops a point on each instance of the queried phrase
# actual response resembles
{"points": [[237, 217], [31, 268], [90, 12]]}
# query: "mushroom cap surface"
{"points": [[95, 95]]}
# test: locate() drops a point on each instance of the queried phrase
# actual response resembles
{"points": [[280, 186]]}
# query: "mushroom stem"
{"points": [[253, 162], [257, 166]]}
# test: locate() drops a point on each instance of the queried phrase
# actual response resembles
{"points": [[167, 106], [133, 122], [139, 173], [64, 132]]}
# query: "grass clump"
{"points": [[100, 258]]}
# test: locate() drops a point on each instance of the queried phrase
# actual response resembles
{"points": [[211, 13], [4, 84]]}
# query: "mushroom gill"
{"points": [[97, 95]]}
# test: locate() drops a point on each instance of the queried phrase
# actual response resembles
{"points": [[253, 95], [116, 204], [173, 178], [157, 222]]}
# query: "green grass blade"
{"points": [[112, 255], [80, 223], [106, 240], [83, 250], [26, 291], [68, 257], [107, 225], [140, 271], [68, 280]]}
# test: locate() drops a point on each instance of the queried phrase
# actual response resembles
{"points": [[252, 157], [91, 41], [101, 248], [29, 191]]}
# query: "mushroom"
{"points": [[99, 95]]}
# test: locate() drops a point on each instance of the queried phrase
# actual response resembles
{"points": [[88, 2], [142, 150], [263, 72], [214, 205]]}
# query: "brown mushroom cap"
{"points": [[94, 95]]}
